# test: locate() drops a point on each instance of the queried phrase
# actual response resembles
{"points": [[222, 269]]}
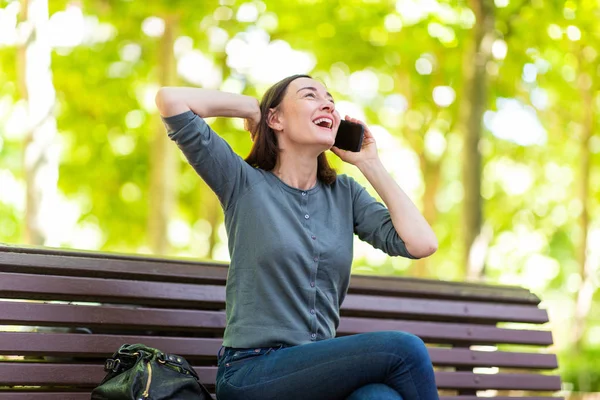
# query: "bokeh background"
{"points": [[485, 112]]}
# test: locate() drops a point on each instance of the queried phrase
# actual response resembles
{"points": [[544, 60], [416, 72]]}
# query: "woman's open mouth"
{"points": [[324, 122]]}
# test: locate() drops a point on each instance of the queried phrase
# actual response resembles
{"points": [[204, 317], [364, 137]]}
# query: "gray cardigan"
{"points": [[291, 249]]}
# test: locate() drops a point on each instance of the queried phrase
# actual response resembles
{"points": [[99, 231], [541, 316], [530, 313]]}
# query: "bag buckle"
{"points": [[112, 365], [175, 359], [172, 358]]}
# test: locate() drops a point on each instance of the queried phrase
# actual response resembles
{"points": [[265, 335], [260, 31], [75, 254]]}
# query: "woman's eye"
{"points": [[311, 95]]}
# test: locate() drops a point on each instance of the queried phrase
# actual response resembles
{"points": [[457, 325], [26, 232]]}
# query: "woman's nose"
{"points": [[328, 105]]}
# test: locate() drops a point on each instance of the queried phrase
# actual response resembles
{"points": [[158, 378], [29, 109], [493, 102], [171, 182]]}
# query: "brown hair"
{"points": [[265, 150]]}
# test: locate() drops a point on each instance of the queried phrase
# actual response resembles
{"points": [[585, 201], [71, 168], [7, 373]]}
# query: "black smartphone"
{"points": [[349, 136]]}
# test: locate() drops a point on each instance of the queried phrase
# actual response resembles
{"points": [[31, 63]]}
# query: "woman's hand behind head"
{"points": [[251, 123]]}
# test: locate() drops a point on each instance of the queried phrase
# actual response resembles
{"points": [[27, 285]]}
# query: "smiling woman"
{"points": [[291, 221], [288, 123]]}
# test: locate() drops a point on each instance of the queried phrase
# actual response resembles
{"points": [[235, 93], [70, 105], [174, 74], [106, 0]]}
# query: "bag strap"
{"points": [[178, 362], [122, 361], [112, 364]]}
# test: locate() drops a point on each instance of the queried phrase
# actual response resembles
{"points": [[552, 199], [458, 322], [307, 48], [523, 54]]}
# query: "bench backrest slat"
{"points": [[15, 285], [115, 266], [106, 317], [444, 332]]}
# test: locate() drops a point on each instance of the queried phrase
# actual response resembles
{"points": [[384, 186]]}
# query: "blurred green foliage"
{"points": [[382, 59]]}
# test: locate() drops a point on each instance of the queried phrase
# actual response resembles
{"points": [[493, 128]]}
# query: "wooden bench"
{"points": [[96, 302]]}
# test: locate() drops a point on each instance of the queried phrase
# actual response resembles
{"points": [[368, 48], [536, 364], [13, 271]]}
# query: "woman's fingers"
{"points": [[368, 133], [339, 152]]}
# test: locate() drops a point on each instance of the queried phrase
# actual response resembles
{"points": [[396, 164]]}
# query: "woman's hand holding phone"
{"points": [[368, 150]]}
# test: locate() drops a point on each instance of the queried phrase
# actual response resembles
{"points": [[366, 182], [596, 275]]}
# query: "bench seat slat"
{"points": [[128, 319], [472, 358], [89, 375], [75, 375], [468, 380], [26, 286], [86, 396], [104, 265], [81, 345], [46, 396], [495, 398]]}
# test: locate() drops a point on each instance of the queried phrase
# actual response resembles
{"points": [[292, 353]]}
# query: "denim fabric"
{"points": [[379, 365], [375, 391]]}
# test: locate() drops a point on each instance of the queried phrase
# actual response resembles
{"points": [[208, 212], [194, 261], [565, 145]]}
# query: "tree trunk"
{"points": [[586, 292], [430, 168], [472, 109], [41, 153], [431, 177], [162, 154]]}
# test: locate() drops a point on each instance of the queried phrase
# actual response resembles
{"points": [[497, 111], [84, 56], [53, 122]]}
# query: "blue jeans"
{"points": [[369, 366]]}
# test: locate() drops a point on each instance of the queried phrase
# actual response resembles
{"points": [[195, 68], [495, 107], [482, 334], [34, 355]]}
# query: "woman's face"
{"points": [[307, 116]]}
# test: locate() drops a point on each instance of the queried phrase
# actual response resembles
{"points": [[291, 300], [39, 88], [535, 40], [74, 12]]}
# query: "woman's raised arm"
{"points": [[206, 103]]}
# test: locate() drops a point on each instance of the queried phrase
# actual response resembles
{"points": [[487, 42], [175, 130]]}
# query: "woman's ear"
{"points": [[274, 119]]}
